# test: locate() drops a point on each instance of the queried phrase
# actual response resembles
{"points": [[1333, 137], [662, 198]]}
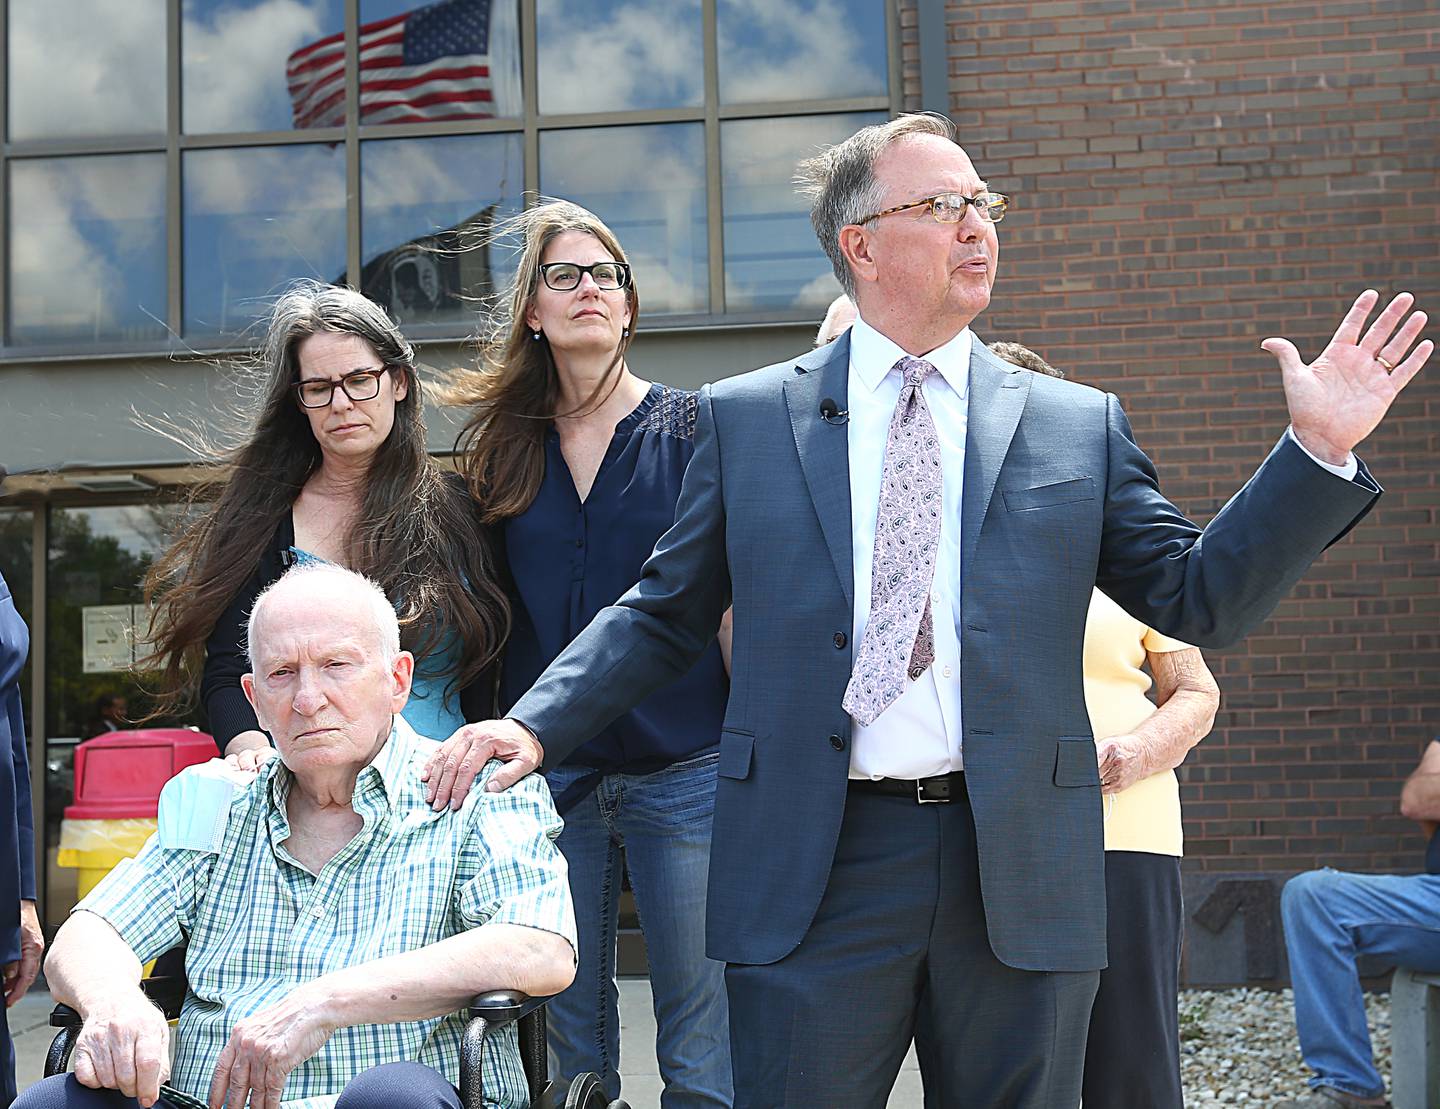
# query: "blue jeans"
{"points": [[1330, 919], [662, 820]]}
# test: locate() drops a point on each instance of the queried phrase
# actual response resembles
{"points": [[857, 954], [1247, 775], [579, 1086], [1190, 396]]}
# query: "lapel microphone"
{"points": [[830, 412]]}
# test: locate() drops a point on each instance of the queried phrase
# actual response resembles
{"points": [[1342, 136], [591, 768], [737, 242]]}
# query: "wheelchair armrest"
{"points": [[502, 1006], [167, 993]]}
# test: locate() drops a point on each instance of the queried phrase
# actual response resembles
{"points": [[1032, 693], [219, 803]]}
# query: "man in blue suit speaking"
{"points": [[907, 838]]}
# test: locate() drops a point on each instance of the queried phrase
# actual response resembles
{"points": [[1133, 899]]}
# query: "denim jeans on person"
{"points": [[1331, 918], [662, 820]]}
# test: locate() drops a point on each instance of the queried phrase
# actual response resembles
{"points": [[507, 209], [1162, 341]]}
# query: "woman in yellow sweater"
{"points": [[1132, 1057]]}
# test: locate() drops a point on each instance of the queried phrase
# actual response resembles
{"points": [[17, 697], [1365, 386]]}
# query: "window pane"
{"points": [[255, 220], [772, 259], [259, 65], [86, 68], [648, 184], [426, 207], [456, 59], [800, 49], [633, 54], [87, 249]]}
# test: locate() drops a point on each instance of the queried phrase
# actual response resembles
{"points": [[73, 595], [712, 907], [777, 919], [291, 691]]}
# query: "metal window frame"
{"points": [[174, 143]]}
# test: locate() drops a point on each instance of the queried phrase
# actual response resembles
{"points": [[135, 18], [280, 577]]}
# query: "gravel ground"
{"points": [[1238, 1047]]}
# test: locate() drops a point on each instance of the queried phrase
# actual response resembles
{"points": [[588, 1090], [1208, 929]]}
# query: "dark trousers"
{"points": [[392, 1086], [899, 951], [7, 1060], [1132, 1060]]}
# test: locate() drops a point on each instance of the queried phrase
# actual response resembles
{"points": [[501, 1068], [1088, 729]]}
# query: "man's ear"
{"points": [[247, 683], [402, 674], [855, 246]]}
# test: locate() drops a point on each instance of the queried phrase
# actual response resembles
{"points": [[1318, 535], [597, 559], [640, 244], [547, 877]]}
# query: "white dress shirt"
{"points": [[919, 733]]}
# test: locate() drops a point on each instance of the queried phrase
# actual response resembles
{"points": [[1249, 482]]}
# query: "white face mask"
{"points": [[195, 806]]}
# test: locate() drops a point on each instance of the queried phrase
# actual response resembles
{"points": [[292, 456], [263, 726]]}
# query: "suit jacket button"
{"points": [[837, 743], [840, 640]]}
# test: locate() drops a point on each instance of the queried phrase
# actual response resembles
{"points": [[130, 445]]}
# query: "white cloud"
{"points": [[234, 72], [639, 53], [72, 276], [81, 69], [798, 50]]}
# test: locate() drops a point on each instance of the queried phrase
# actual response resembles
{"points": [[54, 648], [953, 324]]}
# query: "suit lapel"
{"points": [[998, 392], [824, 448]]}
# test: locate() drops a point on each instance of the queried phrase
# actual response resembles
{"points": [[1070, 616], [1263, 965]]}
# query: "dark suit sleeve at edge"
{"points": [[24, 818], [657, 630], [1211, 588]]}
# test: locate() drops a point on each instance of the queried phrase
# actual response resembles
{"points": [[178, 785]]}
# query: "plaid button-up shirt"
{"points": [[257, 923]]}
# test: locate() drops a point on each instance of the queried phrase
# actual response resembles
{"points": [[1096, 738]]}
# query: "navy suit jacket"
{"points": [[1057, 498], [17, 830]]}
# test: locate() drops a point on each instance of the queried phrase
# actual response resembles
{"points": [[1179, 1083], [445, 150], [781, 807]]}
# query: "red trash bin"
{"points": [[118, 778]]}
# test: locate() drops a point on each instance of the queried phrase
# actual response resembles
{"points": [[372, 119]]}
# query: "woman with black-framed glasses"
{"points": [[580, 461], [333, 468]]}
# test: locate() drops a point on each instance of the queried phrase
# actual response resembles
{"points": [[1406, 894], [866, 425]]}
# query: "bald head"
{"points": [[324, 587], [840, 315]]}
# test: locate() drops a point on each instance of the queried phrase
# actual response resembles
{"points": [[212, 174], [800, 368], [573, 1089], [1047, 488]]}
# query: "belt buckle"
{"points": [[921, 799]]}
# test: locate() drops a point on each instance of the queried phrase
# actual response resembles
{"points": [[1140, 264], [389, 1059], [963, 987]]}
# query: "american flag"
{"points": [[429, 64]]}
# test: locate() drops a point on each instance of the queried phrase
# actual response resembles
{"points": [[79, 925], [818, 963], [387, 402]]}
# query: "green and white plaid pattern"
{"points": [[258, 924]]}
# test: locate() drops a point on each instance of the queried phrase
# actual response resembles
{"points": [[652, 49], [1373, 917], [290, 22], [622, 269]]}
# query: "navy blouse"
{"points": [[570, 559]]}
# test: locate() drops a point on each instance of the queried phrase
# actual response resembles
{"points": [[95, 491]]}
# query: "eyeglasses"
{"points": [[360, 385], [950, 207], [564, 276]]}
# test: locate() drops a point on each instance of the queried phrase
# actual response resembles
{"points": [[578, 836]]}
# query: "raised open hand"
{"points": [[1337, 400]]}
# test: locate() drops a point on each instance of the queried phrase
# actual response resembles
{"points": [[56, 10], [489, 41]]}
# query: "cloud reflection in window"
{"points": [[619, 55], [772, 260], [87, 249], [800, 49], [86, 68], [427, 206], [646, 183], [234, 54], [256, 219]]}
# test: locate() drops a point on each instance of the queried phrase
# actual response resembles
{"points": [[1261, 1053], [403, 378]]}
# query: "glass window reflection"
{"points": [[633, 54], [262, 65], [427, 207], [800, 49], [87, 249], [256, 219], [452, 59], [646, 183], [86, 68], [772, 260]]}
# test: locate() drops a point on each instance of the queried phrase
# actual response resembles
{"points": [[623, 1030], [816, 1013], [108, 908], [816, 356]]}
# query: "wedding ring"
{"points": [[1389, 366]]}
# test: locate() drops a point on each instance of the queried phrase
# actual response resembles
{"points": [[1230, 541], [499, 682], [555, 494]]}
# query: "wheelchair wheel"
{"points": [[586, 1093]]}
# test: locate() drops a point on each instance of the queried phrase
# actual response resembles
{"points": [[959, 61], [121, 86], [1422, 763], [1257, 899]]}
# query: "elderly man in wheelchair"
{"points": [[335, 926]]}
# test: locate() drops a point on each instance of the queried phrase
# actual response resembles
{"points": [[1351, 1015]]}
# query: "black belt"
{"points": [[940, 789]]}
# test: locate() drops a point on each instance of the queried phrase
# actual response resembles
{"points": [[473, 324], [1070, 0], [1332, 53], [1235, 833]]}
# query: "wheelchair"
{"points": [[488, 1012]]}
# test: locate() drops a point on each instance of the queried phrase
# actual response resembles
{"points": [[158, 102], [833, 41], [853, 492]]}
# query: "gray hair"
{"points": [[1025, 358], [840, 181], [366, 594], [308, 307]]}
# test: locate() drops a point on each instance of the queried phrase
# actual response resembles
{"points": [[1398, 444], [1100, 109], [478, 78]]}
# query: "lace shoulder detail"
{"points": [[673, 413]]}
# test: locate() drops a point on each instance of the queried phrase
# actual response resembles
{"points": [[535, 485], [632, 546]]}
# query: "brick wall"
{"points": [[1190, 178]]}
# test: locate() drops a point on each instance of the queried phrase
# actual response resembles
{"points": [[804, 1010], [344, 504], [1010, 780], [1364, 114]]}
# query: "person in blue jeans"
{"points": [[1331, 918], [581, 462]]}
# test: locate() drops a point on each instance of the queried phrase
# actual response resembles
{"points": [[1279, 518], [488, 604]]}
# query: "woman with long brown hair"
{"points": [[581, 462], [333, 468]]}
